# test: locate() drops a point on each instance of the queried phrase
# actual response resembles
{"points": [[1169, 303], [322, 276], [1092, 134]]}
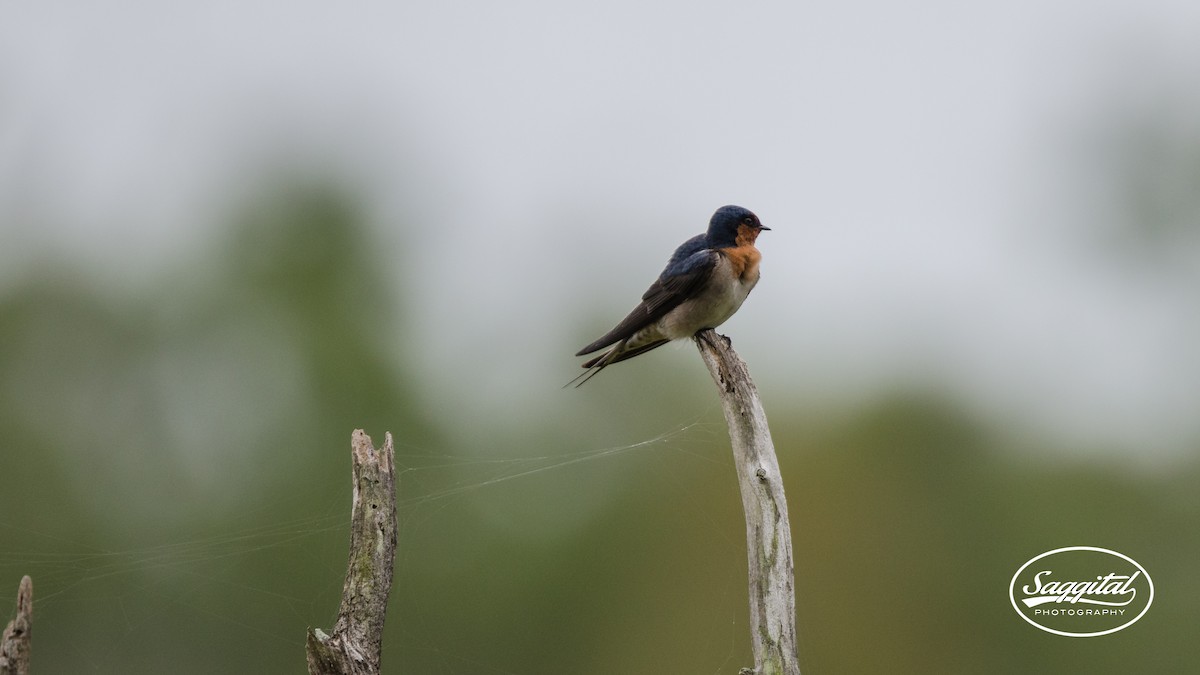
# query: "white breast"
{"points": [[722, 296]]}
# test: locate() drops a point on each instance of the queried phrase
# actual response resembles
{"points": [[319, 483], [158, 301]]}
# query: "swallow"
{"points": [[704, 283]]}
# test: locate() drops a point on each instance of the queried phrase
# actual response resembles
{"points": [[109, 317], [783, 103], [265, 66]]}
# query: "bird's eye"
{"points": [[749, 220]]}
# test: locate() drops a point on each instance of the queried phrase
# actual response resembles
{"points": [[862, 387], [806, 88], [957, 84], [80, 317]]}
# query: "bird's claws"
{"points": [[707, 334]]}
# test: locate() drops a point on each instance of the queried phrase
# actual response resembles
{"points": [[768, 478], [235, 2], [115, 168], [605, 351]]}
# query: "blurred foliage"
{"points": [[175, 479], [1156, 162]]}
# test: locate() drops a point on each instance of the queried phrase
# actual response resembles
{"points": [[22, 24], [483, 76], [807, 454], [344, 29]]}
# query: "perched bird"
{"points": [[704, 283]]}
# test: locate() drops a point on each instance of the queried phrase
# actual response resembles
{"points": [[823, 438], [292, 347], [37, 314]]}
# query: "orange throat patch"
{"points": [[743, 257], [746, 236]]}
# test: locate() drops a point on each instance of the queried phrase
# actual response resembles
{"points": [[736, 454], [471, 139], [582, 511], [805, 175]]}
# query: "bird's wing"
{"points": [[680, 281]]}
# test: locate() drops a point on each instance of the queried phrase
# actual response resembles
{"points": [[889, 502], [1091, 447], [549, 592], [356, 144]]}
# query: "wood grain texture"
{"points": [[768, 531], [17, 640], [357, 639]]}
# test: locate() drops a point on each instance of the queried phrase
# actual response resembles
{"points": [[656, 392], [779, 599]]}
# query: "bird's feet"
{"points": [[710, 334]]}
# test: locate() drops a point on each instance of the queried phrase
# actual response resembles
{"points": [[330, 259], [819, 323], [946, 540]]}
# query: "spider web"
{"points": [[139, 588]]}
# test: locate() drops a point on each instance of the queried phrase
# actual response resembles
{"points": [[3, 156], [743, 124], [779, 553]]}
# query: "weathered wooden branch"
{"points": [[16, 641], [357, 638], [768, 533]]}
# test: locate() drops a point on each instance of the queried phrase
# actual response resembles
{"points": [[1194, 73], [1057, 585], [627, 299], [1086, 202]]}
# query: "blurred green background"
{"points": [[230, 240]]}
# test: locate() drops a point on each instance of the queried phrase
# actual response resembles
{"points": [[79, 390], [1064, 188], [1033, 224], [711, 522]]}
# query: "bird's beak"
{"points": [[763, 227]]}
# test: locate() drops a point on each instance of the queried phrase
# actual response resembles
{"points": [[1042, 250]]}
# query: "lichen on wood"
{"points": [[355, 644]]}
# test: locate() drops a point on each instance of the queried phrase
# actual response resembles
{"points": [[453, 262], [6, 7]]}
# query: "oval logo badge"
{"points": [[1081, 591]]}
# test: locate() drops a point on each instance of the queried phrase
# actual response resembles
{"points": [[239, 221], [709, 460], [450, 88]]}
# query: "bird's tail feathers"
{"points": [[615, 355]]}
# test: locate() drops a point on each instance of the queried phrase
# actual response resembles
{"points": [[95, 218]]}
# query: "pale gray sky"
{"points": [[939, 176]]}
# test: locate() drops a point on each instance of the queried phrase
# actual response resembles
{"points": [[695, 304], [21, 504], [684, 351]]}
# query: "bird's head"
{"points": [[734, 226]]}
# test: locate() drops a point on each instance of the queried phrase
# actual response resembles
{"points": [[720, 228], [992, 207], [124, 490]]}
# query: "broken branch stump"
{"points": [[357, 638], [16, 641], [768, 532]]}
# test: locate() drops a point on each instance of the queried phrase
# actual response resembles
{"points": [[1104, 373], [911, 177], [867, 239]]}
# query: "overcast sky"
{"points": [[942, 178]]}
